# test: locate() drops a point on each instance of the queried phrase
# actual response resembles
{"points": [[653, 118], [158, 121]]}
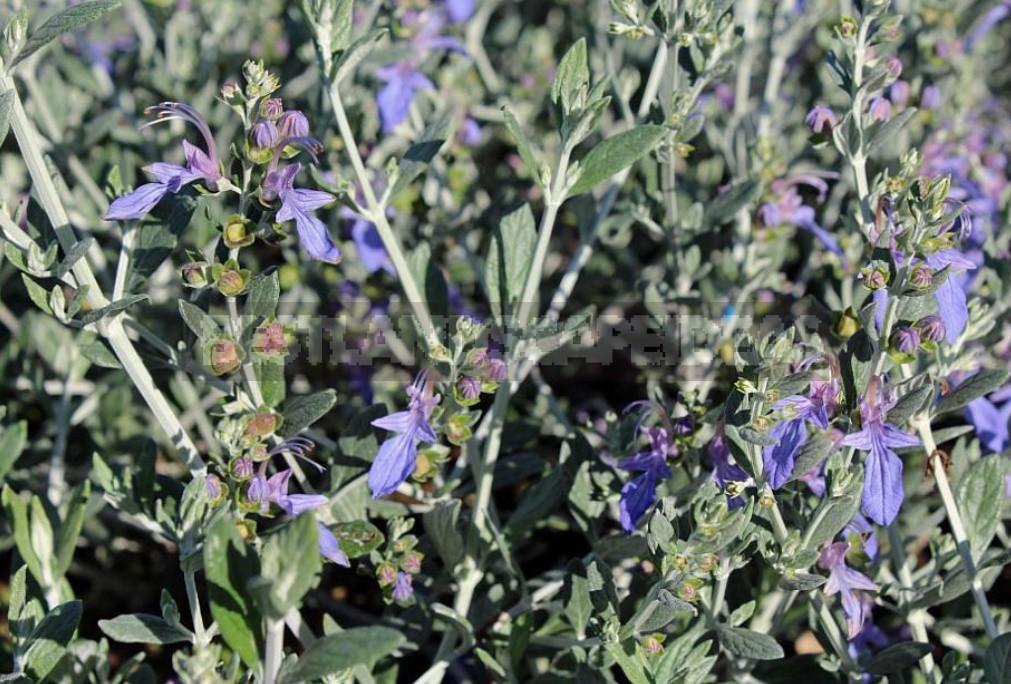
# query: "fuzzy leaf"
{"points": [[981, 384], [509, 257], [615, 154], [143, 629], [745, 643], [69, 19], [229, 565], [301, 412], [343, 651]]}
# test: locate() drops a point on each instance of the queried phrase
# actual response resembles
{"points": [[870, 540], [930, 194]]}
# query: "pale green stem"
{"points": [[111, 328], [377, 214], [193, 598], [922, 425], [274, 651], [915, 617]]}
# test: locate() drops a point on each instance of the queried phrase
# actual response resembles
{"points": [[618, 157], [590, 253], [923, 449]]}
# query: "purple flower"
{"points": [[274, 489], [397, 456], [790, 208], [403, 81], [846, 582], [371, 251], [951, 300], [883, 493], [402, 588], [779, 459], [986, 23], [930, 97], [459, 11], [905, 340], [638, 493], [861, 536], [898, 93], [991, 420], [297, 204], [730, 477], [171, 178], [820, 119]]}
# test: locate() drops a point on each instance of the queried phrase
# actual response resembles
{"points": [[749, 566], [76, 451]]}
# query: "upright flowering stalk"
{"points": [[171, 178], [274, 490], [846, 582], [398, 455], [778, 459], [883, 491]]}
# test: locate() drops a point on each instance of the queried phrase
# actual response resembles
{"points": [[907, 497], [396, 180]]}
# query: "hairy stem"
{"points": [[111, 328]]}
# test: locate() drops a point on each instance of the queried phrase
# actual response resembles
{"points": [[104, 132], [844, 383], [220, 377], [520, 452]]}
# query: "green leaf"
{"points": [[6, 105], [441, 528], [262, 297], [910, 404], [578, 606], [158, 235], [340, 35], [12, 442], [979, 385], [143, 629], [615, 154], [17, 602], [75, 254], [531, 158], [70, 529], [572, 75], [745, 643], [301, 412], [230, 565], [980, 496], [833, 514], [427, 273], [801, 581], [997, 659], [291, 561], [37, 294], [508, 262], [112, 308], [897, 657], [419, 155], [889, 129], [353, 56], [343, 651], [19, 519], [725, 206], [97, 351], [67, 20], [813, 452], [48, 643], [358, 538]]}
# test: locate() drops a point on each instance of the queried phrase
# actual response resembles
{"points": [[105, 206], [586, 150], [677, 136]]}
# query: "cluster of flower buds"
{"points": [[400, 561]]}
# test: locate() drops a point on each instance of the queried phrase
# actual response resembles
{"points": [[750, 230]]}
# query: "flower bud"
{"points": [[270, 339], [894, 67], [231, 94], [467, 391], [217, 491], [875, 275], [905, 341], [820, 120], [931, 329], [262, 424], [271, 109], [223, 356], [652, 645], [412, 562], [921, 277], [386, 574], [241, 469], [230, 279], [880, 109], [293, 124], [847, 27], [236, 232], [195, 274]]}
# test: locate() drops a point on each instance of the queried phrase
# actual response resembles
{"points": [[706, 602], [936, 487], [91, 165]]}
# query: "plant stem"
{"points": [[922, 425], [111, 328], [199, 631], [915, 617], [377, 214], [274, 651]]}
